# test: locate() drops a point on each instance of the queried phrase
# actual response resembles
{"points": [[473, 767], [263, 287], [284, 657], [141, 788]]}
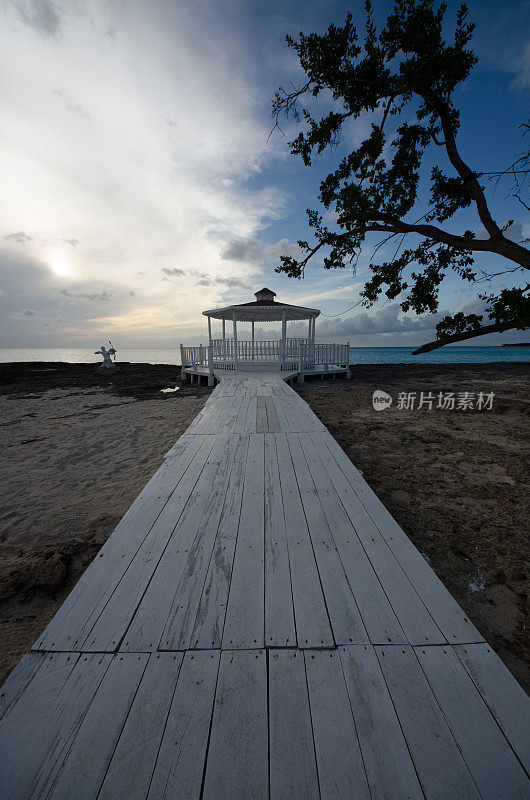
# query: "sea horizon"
{"points": [[471, 354]]}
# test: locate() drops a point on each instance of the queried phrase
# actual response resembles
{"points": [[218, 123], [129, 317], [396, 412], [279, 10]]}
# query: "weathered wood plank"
{"points": [[83, 770], [83, 605], [180, 764], [133, 761], [341, 771], [293, 773], [312, 622], [107, 632], [390, 771], [279, 614], [209, 621], [334, 490], [244, 622], [444, 609], [273, 423], [237, 765], [441, 769], [261, 415], [40, 747], [150, 612], [507, 701], [18, 680], [374, 607], [491, 761], [346, 621], [190, 577]]}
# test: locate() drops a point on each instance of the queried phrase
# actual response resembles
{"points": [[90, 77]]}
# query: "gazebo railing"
{"points": [[297, 354]]}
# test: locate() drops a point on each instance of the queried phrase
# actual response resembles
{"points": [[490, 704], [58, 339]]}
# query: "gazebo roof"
{"points": [[264, 309]]}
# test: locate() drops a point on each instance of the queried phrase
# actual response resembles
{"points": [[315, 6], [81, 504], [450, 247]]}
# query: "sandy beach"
{"points": [[77, 449]]}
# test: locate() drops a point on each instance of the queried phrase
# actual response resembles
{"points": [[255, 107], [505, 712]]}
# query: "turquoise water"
{"points": [[358, 355], [444, 355]]}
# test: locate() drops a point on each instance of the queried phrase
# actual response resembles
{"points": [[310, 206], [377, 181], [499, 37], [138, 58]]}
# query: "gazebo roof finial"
{"points": [[265, 294]]}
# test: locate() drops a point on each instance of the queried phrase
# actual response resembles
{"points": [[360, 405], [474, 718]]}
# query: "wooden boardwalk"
{"points": [[258, 626]]}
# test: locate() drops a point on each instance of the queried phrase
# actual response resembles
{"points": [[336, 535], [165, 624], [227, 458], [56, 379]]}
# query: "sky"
{"points": [[141, 183]]}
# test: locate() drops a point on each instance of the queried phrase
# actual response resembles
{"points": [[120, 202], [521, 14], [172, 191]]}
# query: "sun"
{"points": [[61, 268]]}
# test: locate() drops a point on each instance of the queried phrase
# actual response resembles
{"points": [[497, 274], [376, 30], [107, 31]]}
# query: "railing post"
{"points": [[210, 365], [300, 378]]}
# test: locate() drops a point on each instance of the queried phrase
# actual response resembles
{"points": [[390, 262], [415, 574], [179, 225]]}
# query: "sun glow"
{"points": [[61, 268]]}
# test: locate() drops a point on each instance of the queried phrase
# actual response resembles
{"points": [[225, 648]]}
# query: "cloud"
{"points": [[174, 273], [71, 242], [513, 232], [386, 320], [251, 250], [104, 295], [41, 15], [522, 78], [20, 237], [70, 104]]}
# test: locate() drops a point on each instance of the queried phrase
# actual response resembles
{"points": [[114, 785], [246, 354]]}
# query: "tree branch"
{"points": [[496, 327], [467, 174]]}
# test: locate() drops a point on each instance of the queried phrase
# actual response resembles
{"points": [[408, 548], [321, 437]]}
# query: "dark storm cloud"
{"points": [[41, 15]]}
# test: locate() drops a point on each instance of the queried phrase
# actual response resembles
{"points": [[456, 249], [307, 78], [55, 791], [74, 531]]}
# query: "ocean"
{"points": [[358, 355]]}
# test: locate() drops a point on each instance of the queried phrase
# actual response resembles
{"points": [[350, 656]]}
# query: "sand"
{"points": [[77, 449]]}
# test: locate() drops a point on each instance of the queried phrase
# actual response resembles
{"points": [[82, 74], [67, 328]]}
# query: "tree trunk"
{"points": [[497, 327]]}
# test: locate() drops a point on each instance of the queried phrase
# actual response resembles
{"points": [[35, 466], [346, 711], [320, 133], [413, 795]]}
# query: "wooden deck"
{"points": [[258, 626]]}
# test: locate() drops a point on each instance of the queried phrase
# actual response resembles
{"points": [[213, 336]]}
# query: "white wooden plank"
{"points": [[280, 412], [293, 771], [341, 771], [449, 617], [346, 621], [250, 422], [98, 581], [493, 765], [41, 737], [84, 768], [279, 614], [18, 680], [312, 622], [147, 616], [374, 607], [133, 761], [334, 489], [180, 764], [240, 423], [108, 629], [507, 701], [244, 623], [237, 757], [34, 703], [189, 580], [441, 769], [210, 617], [391, 774]]}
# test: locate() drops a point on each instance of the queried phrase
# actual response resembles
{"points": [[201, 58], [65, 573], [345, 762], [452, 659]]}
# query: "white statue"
{"points": [[107, 354]]}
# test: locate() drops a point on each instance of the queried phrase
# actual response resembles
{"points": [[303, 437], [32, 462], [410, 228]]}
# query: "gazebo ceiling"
{"points": [[264, 309]]}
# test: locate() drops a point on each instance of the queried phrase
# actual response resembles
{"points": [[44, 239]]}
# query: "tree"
{"points": [[403, 78]]}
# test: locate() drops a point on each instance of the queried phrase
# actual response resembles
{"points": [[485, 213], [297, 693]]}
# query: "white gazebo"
{"points": [[297, 356]]}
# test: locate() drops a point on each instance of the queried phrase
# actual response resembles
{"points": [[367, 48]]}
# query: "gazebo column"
{"points": [[234, 321], [224, 338], [284, 336], [309, 328], [252, 340]]}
